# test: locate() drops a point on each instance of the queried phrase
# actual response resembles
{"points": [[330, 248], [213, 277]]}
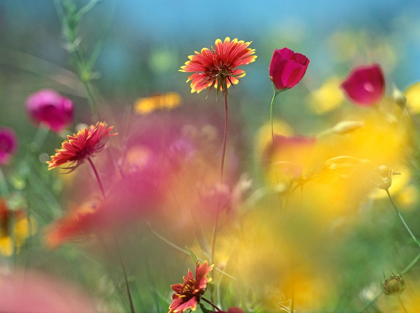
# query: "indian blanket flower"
{"points": [[365, 85], [218, 67], [51, 109], [187, 294], [15, 227], [8, 144], [287, 68], [81, 146]]}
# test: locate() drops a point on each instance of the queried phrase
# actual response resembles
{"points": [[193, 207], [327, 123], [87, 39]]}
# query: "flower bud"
{"points": [[394, 285], [365, 85], [51, 109], [346, 127], [8, 144], [287, 68], [384, 177]]}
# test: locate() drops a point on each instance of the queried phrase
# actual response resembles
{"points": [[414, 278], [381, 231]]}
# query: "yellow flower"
{"points": [[15, 228], [327, 98], [413, 98], [147, 105]]}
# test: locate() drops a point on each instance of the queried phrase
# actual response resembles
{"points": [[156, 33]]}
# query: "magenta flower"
{"points": [[8, 144], [50, 108], [287, 68], [365, 85]]}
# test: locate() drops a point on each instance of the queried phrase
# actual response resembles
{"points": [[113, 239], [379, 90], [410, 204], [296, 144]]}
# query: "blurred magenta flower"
{"points": [[50, 108], [365, 85], [287, 68], [8, 144], [28, 292]]}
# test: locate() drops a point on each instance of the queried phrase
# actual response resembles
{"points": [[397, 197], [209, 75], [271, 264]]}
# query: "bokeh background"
{"points": [[143, 45]]}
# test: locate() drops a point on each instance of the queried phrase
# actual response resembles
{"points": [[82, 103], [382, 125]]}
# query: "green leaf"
{"points": [[192, 254]]}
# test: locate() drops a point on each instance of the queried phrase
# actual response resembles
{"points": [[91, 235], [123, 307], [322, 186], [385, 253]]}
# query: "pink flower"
{"points": [[365, 85], [50, 108], [8, 144], [287, 68]]}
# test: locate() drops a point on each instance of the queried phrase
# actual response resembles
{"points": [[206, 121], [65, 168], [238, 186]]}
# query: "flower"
{"points": [[218, 67], [15, 227], [81, 146], [147, 105], [365, 85], [50, 108], [394, 285], [8, 144], [287, 68], [75, 224], [187, 295], [33, 288]]}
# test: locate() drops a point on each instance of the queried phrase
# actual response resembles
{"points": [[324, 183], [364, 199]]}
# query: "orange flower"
{"points": [[218, 67], [187, 295], [80, 146]]}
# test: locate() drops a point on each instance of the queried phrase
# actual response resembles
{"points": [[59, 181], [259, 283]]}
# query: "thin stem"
{"points": [[211, 303], [97, 178], [402, 219], [115, 241], [402, 304], [4, 190], [125, 274], [222, 165], [271, 113]]}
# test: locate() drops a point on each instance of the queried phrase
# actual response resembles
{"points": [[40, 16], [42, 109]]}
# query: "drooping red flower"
{"points": [[187, 295], [86, 143], [287, 68], [218, 67], [365, 85], [8, 144], [50, 108]]}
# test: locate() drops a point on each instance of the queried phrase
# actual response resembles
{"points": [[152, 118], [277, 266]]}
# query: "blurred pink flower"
{"points": [[365, 85], [36, 293], [50, 108], [8, 144], [287, 68]]}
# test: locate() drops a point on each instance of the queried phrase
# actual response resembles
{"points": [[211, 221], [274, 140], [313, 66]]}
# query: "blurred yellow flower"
{"points": [[264, 138], [327, 98], [15, 227], [413, 98], [147, 105]]}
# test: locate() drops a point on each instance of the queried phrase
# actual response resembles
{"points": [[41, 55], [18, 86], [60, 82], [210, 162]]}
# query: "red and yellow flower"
{"points": [[187, 294], [86, 143], [218, 67]]}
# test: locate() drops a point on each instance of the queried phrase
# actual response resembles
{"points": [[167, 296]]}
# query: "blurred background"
{"points": [[346, 238]]}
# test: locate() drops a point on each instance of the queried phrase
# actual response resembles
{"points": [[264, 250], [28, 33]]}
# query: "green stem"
{"points": [[130, 299], [271, 113], [402, 219], [3, 184], [222, 165], [211, 303]]}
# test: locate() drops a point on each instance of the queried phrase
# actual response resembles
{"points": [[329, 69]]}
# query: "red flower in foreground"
{"points": [[287, 68], [80, 146], [365, 85], [187, 295], [218, 67], [8, 144]]}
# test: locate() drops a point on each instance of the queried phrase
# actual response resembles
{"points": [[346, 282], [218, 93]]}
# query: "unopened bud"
{"points": [[394, 285], [385, 174], [346, 127]]}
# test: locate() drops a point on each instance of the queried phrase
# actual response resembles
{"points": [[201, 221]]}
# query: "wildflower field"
{"points": [[283, 176]]}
